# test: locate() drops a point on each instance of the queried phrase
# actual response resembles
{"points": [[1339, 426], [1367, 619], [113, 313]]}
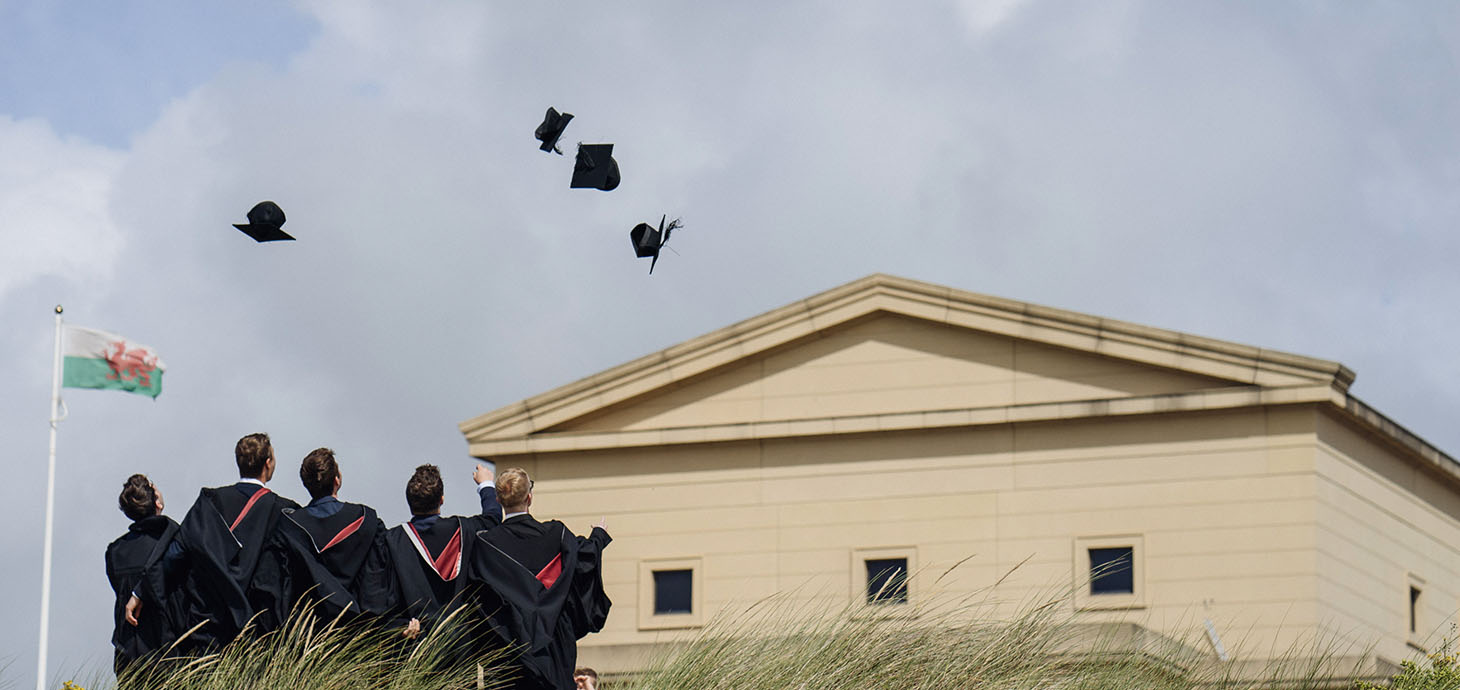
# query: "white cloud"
{"points": [[984, 16], [54, 207]]}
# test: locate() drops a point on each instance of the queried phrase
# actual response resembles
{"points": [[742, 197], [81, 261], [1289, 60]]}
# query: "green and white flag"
{"points": [[97, 359]]}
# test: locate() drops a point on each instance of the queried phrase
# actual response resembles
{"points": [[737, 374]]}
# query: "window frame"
{"points": [[858, 588], [1080, 575], [1414, 620], [648, 620]]}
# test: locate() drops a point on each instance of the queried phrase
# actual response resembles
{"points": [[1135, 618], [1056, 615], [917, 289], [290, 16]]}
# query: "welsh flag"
{"points": [[97, 359]]}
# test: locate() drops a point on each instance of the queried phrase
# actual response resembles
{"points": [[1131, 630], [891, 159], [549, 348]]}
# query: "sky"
{"points": [[1280, 174]]}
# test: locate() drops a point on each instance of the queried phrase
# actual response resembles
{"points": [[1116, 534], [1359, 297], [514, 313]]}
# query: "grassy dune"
{"points": [[775, 644]]}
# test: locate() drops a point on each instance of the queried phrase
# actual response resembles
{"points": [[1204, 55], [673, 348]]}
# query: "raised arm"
{"points": [[599, 537], [487, 492]]}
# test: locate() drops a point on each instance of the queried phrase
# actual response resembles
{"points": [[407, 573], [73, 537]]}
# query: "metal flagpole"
{"points": [[40, 675]]}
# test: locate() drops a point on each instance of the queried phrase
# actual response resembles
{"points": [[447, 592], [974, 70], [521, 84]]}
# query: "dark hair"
{"points": [[252, 453], [585, 671], [424, 490], [139, 498], [318, 472]]}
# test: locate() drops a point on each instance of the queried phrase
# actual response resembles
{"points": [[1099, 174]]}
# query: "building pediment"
{"points": [[885, 351]]}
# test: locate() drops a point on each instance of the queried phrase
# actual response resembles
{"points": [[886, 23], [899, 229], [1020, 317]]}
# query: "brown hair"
{"points": [[585, 671], [513, 487], [319, 471], [424, 490], [252, 453], [139, 498]]}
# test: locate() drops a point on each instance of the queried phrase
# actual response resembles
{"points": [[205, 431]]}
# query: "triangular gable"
{"points": [[889, 364], [818, 360]]}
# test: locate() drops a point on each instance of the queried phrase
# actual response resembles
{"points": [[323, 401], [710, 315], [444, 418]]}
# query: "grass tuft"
{"points": [[320, 654]]}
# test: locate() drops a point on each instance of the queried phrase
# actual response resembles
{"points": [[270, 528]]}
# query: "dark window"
{"points": [[1413, 609], [673, 591], [1111, 571], [887, 581]]}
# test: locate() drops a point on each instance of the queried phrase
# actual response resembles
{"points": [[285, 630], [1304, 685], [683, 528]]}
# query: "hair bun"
{"points": [[138, 498]]}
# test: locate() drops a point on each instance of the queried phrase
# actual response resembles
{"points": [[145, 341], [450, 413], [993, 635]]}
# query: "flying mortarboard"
{"points": [[595, 168], [648, 240], [264, 220], [551, 128]]}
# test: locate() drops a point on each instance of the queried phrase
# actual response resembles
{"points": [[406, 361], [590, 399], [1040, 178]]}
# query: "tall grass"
{"points": [[777, 644], [323, 655]]}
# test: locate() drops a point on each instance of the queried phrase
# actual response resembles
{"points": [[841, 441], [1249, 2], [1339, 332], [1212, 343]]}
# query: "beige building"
{"points": [[890, 424]]}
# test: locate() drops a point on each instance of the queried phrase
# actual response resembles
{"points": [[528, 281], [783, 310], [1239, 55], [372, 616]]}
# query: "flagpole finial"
{"points": [[58, 309]]}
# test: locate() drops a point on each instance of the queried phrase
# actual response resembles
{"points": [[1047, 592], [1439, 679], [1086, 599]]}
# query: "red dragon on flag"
{"points": [[136, 364]]}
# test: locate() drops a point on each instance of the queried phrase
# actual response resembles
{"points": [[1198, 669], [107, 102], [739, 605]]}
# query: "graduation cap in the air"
{"points": [[264, 220], [648, 240], [551, 128], [595, 167]]}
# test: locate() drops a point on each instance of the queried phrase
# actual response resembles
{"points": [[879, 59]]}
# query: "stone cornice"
{"points": [[1196, 401]]}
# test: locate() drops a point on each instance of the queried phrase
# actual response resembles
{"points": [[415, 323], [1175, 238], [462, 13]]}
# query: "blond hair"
{"points": [[513, 487]]}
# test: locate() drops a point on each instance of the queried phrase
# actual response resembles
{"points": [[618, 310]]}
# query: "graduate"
{"points": [[541, 586], [330, 553], [223, 535], [429, 553], [149, 546]]}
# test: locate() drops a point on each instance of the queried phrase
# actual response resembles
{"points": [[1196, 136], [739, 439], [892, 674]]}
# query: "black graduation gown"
{"points": [[339, 562], [139, 561], [223, 536], [542, 591], [429, 585]]}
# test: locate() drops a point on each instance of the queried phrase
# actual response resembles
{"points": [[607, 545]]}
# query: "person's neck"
{"points": [[254, 480]]}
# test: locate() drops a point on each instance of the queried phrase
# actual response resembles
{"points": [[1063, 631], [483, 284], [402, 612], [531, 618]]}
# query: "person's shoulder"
{"points": [[381, 531], [117, 543], [290, 517], [368, 516], [110, 557], [473, 522], [367, 510], [206, 496], [395, 539], [161, 527], [554, 526], [547, 529]]}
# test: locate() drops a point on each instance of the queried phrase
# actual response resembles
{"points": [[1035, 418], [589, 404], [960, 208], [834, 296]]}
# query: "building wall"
{"points": [[1384, 524], [1225, 507]]}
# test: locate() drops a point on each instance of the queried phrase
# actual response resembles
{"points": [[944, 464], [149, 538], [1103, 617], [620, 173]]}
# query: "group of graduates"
{"points": [[245, 557]]}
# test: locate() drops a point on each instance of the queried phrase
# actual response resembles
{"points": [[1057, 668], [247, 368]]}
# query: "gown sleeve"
{"points": [[375, 585], [587, 606]]}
